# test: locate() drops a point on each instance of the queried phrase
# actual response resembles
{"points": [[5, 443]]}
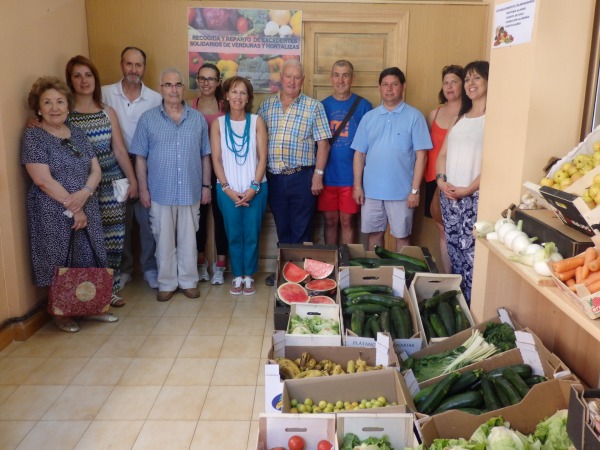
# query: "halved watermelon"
{"points": [[318, 269], [292, 293], [321, 299], [293, 273], [325, 286]]}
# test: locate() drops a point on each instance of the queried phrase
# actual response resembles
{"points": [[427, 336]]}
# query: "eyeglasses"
{"points": [[209, 80], [171, 85], [67, 143]]}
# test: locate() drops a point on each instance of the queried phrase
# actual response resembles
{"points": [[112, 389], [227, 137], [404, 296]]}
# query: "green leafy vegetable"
{"points": [[353, 442], [552, 432], [313, 325], [501, 335]]}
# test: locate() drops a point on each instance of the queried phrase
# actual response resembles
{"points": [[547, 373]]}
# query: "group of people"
{"points": [[300, 155]]}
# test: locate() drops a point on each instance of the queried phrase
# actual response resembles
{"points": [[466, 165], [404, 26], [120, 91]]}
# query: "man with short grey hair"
{"points": [[172, 163]]}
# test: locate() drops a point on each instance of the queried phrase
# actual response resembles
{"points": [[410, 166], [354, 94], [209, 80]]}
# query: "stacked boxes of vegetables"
{"points": [[443, 311]]}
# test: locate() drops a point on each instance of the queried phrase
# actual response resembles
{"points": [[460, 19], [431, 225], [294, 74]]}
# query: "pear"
{"points": [[579, 159], [566, 183], [576, 176], [560, 175]]}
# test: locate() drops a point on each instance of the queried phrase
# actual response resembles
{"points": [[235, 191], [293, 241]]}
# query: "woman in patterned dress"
{"points": [[101, 125], [65, 172]]}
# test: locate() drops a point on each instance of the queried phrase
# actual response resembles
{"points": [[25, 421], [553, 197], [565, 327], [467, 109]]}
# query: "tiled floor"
{"points": [[186, 374]]}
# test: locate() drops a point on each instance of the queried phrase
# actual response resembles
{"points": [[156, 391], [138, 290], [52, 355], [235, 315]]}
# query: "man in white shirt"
{"points": [[130, 98]]}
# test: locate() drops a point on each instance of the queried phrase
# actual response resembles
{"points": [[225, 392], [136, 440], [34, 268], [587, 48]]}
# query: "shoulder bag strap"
{"points": [[346, 119], [69, 260]]}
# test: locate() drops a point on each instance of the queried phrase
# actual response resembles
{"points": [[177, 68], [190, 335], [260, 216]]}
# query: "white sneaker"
{"points": [[249, 287], [203, 271], [125, 278], [151, 277], [236, 286], [218, 276]]}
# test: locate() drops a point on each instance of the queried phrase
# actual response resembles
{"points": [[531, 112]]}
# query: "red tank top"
{"points": [[438, 134]]}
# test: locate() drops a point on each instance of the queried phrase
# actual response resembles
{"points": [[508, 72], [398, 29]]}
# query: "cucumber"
{"points": [[444, 310], [433, 302], [377, 299], [438, 393], [375, 328], [524, 370], [535, 379], [429, 331], [466, 381], [517, 382], [489, 394], [357, 322], [470, 399], [401, 322], [367, 328], [437, 325], [502, 384], [374, 288], [384, 253], [460, 319], [368, 308], [350, 296], [384, 322]]}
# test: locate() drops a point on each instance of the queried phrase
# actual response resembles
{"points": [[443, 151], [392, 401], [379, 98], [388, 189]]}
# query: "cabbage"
{"points": [[482, 432], [552, 432], [502, 438], [456, 444], [300, 329]]}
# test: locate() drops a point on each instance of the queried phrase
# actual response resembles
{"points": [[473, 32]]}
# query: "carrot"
{"points": [[571, 284], [578, 274], [568, 264], [589, 255], [592, 278], [594, 287], [564, 276], [595, 265]]}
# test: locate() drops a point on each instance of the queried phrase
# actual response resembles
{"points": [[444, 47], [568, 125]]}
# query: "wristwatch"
{"points": [[414, 191], [255, 186], [207, 186], [319, 171]]}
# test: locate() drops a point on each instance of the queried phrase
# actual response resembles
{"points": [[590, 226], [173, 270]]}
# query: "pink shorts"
{"points": [[337, 198]]}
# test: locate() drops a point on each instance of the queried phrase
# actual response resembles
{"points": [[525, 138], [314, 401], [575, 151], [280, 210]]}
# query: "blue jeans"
{"points": [[147, 242], [293, 205], [242, 225]]}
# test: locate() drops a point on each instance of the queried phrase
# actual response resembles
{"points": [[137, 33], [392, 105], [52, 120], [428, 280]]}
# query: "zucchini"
{"points": [[466, 381], [489, 394], [438, 393], [374, 288], [375, 328], [524, 370], [357, 322], [502, 384], [437, 325], [517, 382], [502, 397], [384, 253], [429, 331], [444, 310], [422, 395], [367, 329], [469, 399], [377, 299], [369, 263], [354, 263], [401, 322], [368, 308], [352, 295], [535, 379], [384, 322], [474, 411], [460, 319], [433, 302]]}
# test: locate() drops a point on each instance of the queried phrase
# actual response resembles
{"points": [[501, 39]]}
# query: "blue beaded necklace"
{"points": [[232, 138]]}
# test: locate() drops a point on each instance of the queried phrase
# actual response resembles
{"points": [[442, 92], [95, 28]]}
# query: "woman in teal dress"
{"points": [[101, 126]]}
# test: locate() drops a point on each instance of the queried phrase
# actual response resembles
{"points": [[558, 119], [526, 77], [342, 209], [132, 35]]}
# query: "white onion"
{"points": [[510, 237], [501, 222], [505, 228], [532, 248], [493, 236], [520, 243], [542, 268]]}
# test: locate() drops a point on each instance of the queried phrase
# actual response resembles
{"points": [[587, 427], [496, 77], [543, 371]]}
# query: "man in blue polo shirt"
{"points": [[391, 146]]}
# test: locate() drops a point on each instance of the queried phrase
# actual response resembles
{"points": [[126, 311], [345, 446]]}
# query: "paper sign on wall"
{"points": [[513, 23]]}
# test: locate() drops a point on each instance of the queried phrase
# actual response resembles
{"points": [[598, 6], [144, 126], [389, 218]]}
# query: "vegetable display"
{"points": [[389, 258], [353, 442], [582, 269], [313, 325], [442, 315]]}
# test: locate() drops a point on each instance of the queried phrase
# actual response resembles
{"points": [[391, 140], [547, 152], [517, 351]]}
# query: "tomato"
{"points": [[296, 443], [324, 445], [242, 25]]}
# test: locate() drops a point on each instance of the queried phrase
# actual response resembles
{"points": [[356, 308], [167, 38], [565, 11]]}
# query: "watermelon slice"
{"points": [[292, 293], [325, 286], [293, 273], [323, 299], [318, 269]]}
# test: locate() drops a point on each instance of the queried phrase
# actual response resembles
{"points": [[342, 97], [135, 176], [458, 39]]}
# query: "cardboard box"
{"points": [[588, 302], [572, 210], [351, 251], [325, 311], [274, 430], [579, 426], [383, 353], [388, 276], [542, 401], [297, 253], [372, 384], [547, 227], [397, 427], [425, 285]]}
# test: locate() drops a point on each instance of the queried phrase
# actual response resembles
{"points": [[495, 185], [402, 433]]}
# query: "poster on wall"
{"points": [[252, 43], [513, 23]]}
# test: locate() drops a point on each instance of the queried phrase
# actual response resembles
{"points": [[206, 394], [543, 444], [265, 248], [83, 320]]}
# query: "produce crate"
{"points": [[579, 426], [305, 310], [426, 284], [382, 354], [397, 427], [588, 302], [547, 227], [274, 430], [388, 276], [297, 253]]}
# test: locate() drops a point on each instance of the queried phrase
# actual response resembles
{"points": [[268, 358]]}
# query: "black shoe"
{"points": [[270, 280]]}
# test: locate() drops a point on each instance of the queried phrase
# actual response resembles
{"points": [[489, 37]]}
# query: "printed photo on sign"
{"points": [[252, 43], [513, 23]]}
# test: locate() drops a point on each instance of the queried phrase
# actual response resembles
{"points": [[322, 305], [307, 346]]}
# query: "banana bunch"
{"points": [[307, 367]]}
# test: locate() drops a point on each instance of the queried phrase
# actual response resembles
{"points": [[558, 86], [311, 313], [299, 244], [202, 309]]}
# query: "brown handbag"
{"points": [[80, 291]]}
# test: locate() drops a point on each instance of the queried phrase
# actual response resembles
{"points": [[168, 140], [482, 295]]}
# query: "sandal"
{"points": [[249, 287], [66, 324], [105, 317], [116, 301], [236, 286]]}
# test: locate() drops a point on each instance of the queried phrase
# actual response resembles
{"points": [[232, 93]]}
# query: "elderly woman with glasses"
{"points": [[65, 172], [210, 104]]}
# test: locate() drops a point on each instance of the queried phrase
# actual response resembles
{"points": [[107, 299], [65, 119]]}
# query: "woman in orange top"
{"points": [[439, 120]]}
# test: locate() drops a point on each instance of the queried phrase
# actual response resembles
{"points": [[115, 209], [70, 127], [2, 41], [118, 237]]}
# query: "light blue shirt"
{"points": [[390, 140], [173, 153]]}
